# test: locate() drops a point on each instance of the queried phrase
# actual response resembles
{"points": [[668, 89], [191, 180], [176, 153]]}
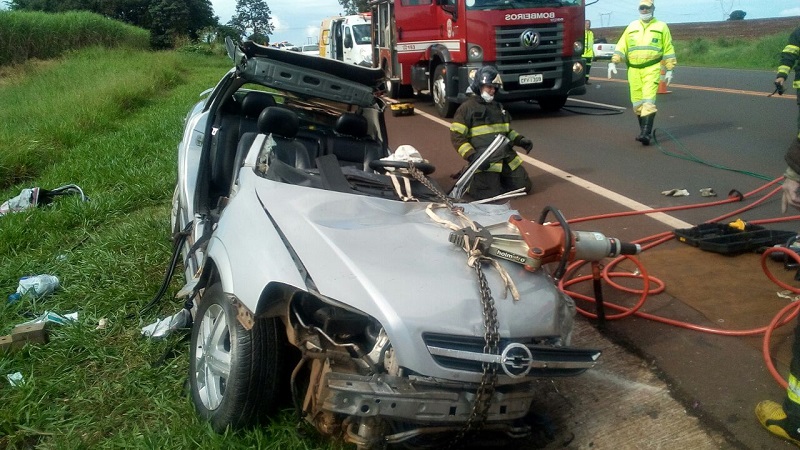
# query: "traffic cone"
{"points": [[662, 84]]}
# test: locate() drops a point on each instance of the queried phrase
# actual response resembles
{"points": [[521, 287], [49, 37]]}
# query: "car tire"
{"points": [[444, 107], [236, 375], [552, 104]]}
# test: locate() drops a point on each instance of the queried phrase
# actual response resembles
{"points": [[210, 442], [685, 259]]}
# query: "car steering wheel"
{"points": [[383, 164]]}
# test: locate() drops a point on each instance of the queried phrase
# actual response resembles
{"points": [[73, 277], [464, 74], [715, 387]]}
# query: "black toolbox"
{"points": [[728, 240]]}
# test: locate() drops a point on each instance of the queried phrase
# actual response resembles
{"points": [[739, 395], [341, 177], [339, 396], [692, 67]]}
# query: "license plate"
{"points": [[531, 79]]}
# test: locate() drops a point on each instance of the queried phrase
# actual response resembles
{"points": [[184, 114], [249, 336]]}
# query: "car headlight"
{"points": [[577, 67], [578, 46], [475, 53]]}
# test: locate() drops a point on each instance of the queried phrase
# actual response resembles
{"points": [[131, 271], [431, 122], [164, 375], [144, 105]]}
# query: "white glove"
{"points": [[612, 68], [668, 77], [791, 194]]}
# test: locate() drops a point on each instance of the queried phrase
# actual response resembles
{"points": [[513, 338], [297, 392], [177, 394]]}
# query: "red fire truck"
{"points": [[436, 46]]}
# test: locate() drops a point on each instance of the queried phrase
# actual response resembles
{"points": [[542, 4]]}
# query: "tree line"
{"points": [[172, 21]]}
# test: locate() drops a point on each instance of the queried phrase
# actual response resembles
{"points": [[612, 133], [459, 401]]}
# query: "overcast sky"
{"points": [[297, 21]]}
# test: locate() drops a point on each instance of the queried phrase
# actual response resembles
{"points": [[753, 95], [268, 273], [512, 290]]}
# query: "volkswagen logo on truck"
{"points": [[530, 38]]}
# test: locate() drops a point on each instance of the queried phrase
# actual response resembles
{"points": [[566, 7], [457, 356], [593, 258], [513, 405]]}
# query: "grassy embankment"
{"points": [[762, 53], [109, 121]]}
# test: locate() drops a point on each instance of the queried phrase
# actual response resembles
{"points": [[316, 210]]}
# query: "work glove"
{"points": [[484, 165], [612, 68], [791, 194], [527, 144], [668, 77], [779, 85]]}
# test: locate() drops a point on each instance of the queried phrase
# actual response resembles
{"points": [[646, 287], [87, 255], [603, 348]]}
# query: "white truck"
{"points": [[347, 38]]}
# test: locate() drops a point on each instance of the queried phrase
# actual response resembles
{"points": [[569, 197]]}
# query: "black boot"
{"points": [[646, 124], [639, 118]]}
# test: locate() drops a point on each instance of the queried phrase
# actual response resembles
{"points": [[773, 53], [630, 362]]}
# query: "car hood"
{"points": [[390, 260]]}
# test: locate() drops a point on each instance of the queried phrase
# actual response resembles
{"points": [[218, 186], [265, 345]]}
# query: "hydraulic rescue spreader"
{"points": [[534, 244]]}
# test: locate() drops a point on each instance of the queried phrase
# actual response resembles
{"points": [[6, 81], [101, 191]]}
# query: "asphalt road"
{"points": [[716, 128]]}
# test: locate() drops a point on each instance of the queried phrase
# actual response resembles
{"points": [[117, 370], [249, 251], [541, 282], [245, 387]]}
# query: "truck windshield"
{"points": [[518, 4], [361, 34]]}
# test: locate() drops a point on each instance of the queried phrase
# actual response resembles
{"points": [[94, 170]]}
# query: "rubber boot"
{"points": [[639, 118], [772, 417], [646, 128]]}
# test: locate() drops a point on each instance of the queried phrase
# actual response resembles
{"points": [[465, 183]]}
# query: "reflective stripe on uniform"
{"points": [[495, 128], [459, 128], [465, 148], [793, 390], [791, 49]]}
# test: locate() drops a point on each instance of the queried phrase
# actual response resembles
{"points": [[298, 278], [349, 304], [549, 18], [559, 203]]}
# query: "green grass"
{"points": [[108, 121], [762, 53]]}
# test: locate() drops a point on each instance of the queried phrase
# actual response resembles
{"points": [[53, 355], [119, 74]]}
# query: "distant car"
{"points": [[602, 49], [310, 49]]}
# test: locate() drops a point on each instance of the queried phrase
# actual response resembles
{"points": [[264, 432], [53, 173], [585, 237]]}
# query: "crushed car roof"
{"points": [[321, 77]]}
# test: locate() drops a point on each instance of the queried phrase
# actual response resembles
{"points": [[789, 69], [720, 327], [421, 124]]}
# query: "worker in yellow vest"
{"points": [[588, 48], [644, 45]]}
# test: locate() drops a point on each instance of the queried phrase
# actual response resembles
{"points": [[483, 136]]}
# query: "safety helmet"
{"points": [[486, 75], [648, 3]]}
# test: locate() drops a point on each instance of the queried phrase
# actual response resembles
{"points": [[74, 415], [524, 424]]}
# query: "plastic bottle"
{"points": [[36, 286]]}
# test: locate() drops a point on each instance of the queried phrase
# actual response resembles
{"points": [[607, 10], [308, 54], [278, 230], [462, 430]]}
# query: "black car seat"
{"points": [[232, 125], [351, 144], [282, 124]]}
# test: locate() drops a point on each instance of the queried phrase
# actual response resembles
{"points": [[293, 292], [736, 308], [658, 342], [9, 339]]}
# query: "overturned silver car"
{"points": [[323, 268]]}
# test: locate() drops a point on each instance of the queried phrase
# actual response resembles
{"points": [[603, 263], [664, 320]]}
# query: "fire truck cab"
{"points": [[436, 46]]}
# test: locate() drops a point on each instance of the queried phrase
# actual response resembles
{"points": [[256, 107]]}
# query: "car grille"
{"points": [[513, 59], [543, 350]]}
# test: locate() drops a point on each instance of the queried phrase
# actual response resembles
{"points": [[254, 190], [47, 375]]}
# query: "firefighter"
{"points": [[790, 59], [475, 125], [784, 421], [644, 46], [588, 48]]}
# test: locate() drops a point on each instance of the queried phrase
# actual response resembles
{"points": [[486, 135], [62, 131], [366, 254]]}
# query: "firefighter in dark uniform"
{"points": [[475, 125], [784, 420], [789, 60]]}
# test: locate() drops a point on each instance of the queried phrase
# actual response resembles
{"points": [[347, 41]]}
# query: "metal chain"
{"points": [[419, 176], [491, 336]]}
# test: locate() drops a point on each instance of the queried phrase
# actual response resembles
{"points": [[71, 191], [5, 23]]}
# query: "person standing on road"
{"points": [[588, 48], [784, 421], [644, 46], [476, 123]]}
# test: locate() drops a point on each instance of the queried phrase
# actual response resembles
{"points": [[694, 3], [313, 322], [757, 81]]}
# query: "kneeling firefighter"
{"points": [[475, 125], [644, 45]]}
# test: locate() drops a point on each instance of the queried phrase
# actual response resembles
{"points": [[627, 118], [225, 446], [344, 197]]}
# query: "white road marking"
{"points": [[666, 219]]}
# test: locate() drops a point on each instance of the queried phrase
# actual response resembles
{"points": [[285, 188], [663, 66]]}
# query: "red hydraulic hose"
{"points": [[786, 315]]}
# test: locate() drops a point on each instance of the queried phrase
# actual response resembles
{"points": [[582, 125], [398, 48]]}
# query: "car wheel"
{"points": [[444, 107], [552, 104], [235, 375]]}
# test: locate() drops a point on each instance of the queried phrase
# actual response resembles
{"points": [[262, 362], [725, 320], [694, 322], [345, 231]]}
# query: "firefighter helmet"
{"points": [[486, 75]]}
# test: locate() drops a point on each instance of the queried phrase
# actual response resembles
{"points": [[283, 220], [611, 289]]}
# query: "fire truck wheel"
{"points": [[444, 107]]}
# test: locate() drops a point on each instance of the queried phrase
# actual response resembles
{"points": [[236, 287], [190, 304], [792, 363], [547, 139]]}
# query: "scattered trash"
{"points": [[15, 379], [788, 295], [36, 286], [51, 317], [32, 197], [675, 193], [102, 324], [166, 326], [707, 192], [34, 331]]}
